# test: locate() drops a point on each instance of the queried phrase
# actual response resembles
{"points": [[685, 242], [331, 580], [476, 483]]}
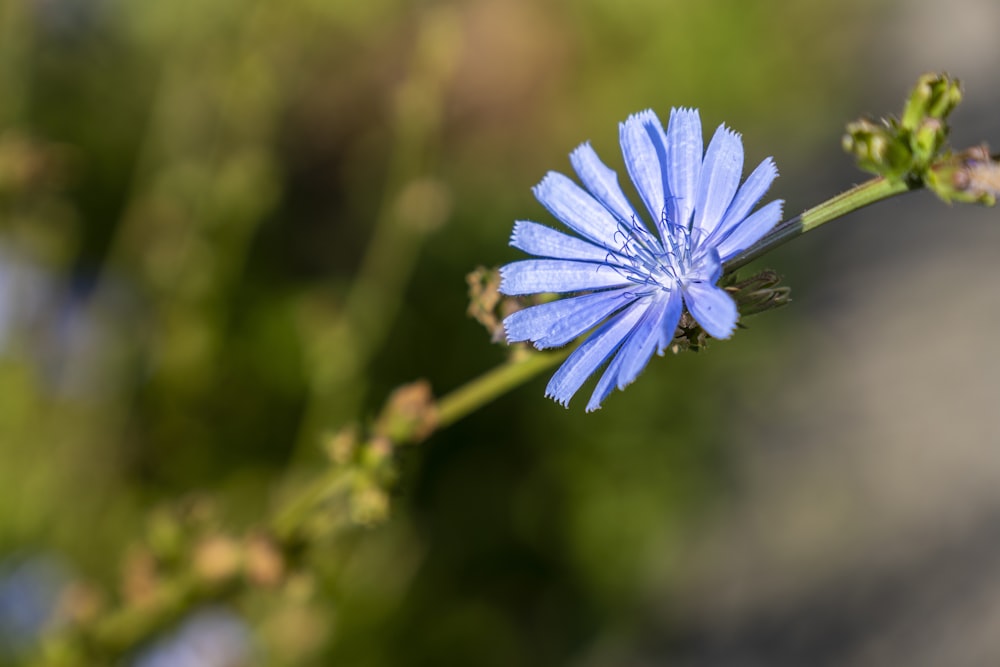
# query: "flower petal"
{"points": [[643, 341], [751, 230], [707, 267], [536, 239], [594, 351], [720, 178], [605, 384], [575, 208], [755, 187], [558, 322], [534, 276], [635, 352], [602, 182], [712, 307], [668, 322], [684, 155], [644, 147]]}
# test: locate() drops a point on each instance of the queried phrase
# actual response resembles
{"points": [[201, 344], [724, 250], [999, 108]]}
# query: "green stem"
{"points": [[857, 197], [523, 366], [493, 384]]}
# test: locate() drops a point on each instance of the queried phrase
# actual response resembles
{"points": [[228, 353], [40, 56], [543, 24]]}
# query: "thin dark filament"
{"points": [[642, 259], [635, 250]]}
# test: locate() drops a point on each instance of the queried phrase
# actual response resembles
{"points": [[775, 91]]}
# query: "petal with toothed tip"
{"points": [[558, 322], [751, 192], [577, 209], [720, 178], [602, 182], [684, 156], [593, 352], [643, 143]]}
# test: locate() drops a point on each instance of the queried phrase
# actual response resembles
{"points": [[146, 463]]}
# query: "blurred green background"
{"points": [[228, 228]]}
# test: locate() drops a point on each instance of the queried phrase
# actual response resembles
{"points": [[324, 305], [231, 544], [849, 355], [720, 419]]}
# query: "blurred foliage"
{"points": [[229, 228]]}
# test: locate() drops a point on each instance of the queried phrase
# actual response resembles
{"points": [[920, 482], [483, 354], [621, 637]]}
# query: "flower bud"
{"points": [[972, 176], [928, 140], [877, 148], [934, 96]]}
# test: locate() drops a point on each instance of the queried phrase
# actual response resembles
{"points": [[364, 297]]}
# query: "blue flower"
{"points": [[634, 282]]}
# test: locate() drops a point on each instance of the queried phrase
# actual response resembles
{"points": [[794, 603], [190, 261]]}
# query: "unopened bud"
{"points": [[410, 414], [934, 96], [264, 563], [759, 293], [484, 299], [928, 140], [905, 148], [972, 176], [217, 558], [342, 445], [877, 148], [369, 505]]}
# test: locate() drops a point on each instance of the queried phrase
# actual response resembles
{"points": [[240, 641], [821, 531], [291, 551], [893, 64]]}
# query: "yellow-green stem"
{"points": [[493, 384], [450, 408], [857, 197]]}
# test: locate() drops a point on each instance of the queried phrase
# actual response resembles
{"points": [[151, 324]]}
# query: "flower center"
{"points": [[658, 264]]}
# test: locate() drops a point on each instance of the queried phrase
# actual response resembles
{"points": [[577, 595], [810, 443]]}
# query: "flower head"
{"points": [[631, 281]]}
